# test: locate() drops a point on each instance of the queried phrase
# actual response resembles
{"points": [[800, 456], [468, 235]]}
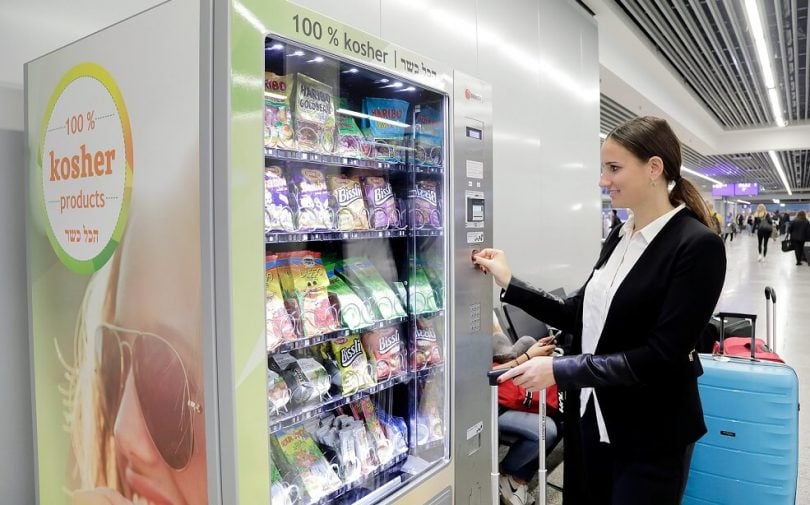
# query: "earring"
{"points": [[652, 182]]}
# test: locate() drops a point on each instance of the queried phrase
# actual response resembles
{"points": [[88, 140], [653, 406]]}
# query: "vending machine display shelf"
{"points": [[343, 161], [366, 481], [430, 371], [326, 236], [342, 333], [426, 232], [309, 411], [431, 445], [429, 315]]}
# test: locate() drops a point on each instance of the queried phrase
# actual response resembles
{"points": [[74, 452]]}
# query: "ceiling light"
{"points": [[350, 71], [743, 201], [317, 59], [373, 118], [298, 53], [698, 174], [780, 170], [781, 204], [763, 55], [276, 47], [775, 200]]}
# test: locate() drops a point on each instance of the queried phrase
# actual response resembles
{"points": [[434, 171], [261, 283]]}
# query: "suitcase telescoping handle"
{"points": [[770, 317], [738, 315]]}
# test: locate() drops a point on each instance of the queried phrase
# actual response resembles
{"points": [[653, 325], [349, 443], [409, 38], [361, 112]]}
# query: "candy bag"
{"points": [[428, 136], [310, 285], [314, 115], [278, 215], [427, 352], [278, 130], [278, 323], [384, 348], [352, 311], [365, 409], [382, 208], [420, 292], [352, 362], [306, 460], [348, 194], [426, 205], [313, 199], [387, 139], [351, 141], [363, 277], [278, 394]]}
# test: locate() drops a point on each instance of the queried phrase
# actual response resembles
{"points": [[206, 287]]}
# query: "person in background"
{"points": [[731, 228], [799, 232], [740, 221], [715, 221], [635, 323], [784, 224], [764, 226], [750, 222], [614, 220]]}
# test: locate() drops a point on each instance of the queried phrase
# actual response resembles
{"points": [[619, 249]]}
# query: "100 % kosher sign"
{"points": [[315, 30]]}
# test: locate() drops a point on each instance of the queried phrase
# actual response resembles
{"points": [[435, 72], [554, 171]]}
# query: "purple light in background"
{"points": [[746, 189], [722, 190]]}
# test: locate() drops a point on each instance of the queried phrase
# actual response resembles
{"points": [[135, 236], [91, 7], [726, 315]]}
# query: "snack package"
{"points": [[386, 139], [430, 409], [385, 350], [312, 199], [278, 394], [348, 195], [352, 363], [352, 311], [278, 213], [278, 130], [382, 209], [364, 409], [363, 277], [278, 323], [396, 429], [426, 205], [301, 389], [435, 278], [351, 141], [427, 352], [317, 375], [365, 450], [314, 114], [306, 281], [420, 299], [428, 136], [306, 460]]}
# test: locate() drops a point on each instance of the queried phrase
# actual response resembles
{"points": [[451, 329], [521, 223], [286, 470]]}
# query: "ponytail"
{"points": [[685, 192]]}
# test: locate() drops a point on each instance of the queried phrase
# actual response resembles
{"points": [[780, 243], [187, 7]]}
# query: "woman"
{"points": [[136, 390], [635, 323], [799, 232], [764, 226]]}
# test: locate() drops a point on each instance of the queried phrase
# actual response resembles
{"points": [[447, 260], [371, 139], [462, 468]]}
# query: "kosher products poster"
{"points": [[115, 264]]}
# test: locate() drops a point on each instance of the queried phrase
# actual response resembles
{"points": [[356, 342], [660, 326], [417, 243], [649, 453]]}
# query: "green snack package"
{"points": [[307, 461], [436, 280], [352, 363], [362, 276], [420, 292], [306, 281], [352, 311]]}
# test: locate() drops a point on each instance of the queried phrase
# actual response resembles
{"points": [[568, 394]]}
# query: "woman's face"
{"points": [[626, 177], [159, 292]]}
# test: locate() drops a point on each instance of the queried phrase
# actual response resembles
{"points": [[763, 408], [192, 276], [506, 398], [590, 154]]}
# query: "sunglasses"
{"points": [[162, 385]]}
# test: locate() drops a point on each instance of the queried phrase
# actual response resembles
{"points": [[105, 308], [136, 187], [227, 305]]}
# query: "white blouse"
{"points": [[603, 286]]}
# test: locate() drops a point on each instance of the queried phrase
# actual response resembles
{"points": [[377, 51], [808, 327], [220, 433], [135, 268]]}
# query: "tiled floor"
{"points": [[744, 291]]}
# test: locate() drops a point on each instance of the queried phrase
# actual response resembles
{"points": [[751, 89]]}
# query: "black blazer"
{"points": [[799, 230], [644, 369]]}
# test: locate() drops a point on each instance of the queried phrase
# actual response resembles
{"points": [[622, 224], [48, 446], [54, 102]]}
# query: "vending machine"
{"points": [[250, 241]]}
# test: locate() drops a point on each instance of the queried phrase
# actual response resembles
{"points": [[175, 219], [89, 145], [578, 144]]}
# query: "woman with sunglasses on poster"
{"points": [[136, 391], [635, 323]]}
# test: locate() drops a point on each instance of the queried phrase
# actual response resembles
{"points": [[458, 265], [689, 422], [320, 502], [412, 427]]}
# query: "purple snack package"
{"points": [[277, 211], [426, 205], [313, 199], [382, 207]]}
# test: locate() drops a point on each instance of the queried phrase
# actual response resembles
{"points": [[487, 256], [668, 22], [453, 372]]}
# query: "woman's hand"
{"points": [[99, 496], [494, 261], [543, 347], [533, 375]]}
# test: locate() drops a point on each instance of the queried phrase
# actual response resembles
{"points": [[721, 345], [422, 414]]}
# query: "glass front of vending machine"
{"points": [[356, 254]]}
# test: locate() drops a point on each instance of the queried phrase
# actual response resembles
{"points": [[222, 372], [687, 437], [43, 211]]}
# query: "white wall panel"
{"points": [[361, 14], [444, 30]]}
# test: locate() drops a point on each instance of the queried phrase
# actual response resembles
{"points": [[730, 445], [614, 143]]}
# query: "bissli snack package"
{"points": [[279, 325], [386, 137], [363, 277], [348, 195], [305, 459], [314, 115], [312, 199], [385, 350], [278, 129], [352, 311], [427, 352], [426, 205], [351, 360], [278, 213], [382, 207], [420, 292], [351, 141], [310, 284], [428, 136]]}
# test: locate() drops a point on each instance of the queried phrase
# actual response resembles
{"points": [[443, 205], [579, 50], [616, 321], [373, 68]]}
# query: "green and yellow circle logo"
{"points": [[85, 160]]}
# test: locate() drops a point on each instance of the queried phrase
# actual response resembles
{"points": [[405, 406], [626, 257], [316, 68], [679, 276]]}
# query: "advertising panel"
{"points": [[115, 264]]}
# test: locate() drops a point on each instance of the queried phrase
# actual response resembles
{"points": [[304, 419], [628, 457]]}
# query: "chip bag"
{"points": [[427, 352], [362, 276], [312, 194], [314, 113], [385, 350], [426, 205], [351, 360], [381, 204], [305, 459], [352, 311], [348, 195], [278, 130]]}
